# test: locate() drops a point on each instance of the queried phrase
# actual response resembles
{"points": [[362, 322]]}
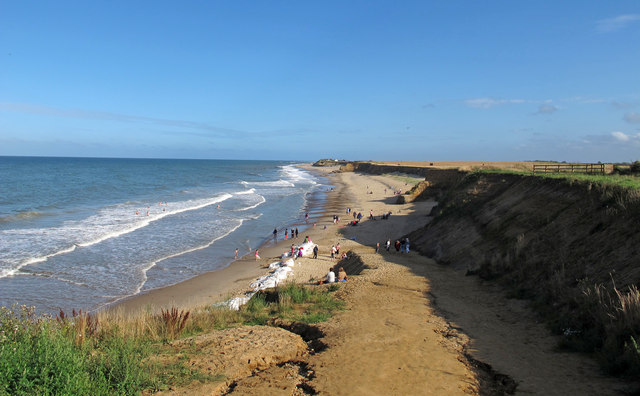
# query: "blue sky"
{"points": [[302, 80]]}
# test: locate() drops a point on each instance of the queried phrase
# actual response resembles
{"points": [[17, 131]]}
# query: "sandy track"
{"points": [[393, 338]]}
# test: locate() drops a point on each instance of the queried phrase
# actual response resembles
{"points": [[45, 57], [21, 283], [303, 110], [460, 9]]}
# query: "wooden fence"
{"points": [[569, 168]]}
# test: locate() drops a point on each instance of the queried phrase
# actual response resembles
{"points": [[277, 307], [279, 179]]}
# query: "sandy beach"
{"points": [[234, 280], [411, 326]]}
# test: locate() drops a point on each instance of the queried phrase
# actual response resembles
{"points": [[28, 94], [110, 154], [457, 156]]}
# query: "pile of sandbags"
{"points": [[281, 270]]}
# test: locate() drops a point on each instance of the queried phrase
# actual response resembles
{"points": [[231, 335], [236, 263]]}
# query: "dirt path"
{"points": [[392, 342], [389, 342]]}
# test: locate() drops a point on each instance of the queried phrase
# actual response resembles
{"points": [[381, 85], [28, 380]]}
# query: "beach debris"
{"points": [[236, 302], [281, 270]]}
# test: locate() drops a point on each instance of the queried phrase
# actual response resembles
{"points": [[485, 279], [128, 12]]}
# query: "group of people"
{"points": [[331, 276], [401, 246], [335, 251], [294, 233]]}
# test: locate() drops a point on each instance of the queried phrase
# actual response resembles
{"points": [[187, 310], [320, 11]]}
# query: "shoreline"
{"points": [[234, 279]]}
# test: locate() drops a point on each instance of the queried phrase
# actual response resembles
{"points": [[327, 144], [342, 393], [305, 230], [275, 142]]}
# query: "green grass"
{"points": [[42, 356], [81, 355], [626, 181], [292, 302], [409, 180]]}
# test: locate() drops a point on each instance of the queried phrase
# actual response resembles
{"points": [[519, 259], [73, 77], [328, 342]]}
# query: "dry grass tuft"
{"points": [[82, 324], [616, 317], [173, 322]]}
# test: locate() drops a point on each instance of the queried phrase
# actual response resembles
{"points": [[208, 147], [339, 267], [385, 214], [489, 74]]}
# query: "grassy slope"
{"points": [[109, 355], [568, 244]]}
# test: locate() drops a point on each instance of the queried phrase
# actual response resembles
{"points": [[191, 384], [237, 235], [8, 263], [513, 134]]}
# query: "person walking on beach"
{"points": [[286, 234], [397, 245], [333, 251], [315, 252], [406, 244], [257, 255], [296, 232], [338, 248], [236, 256], [388, 244], [275, 234], [377, 246]]}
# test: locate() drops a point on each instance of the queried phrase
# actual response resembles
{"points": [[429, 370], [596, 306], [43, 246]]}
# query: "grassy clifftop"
{"points": [[570, 246]]}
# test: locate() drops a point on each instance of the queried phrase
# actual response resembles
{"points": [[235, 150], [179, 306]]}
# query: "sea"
{"points": [[83, 233]]}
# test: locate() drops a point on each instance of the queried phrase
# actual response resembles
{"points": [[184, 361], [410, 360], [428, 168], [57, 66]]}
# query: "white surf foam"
{"points": [[108, 223], [152, 264]]}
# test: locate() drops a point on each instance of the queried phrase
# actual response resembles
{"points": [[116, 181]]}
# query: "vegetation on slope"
{"points": [[570, 245], [109, 354]]}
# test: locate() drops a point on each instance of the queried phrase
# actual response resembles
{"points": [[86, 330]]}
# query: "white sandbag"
{"points": [[275, 265], [236, 302]]}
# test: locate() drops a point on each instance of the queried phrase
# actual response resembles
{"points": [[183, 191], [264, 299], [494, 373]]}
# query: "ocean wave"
{"points": [[297, 175], [110, 222], [277, 183], [272, 183], [262, 200], [155, 217], [21, 215], [249, 191], [6, 272], [152, 264], [56, 277]]}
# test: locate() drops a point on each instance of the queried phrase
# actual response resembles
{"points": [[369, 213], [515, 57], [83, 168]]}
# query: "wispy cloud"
{"points": [[546, 109], [616, 23], [621, 105], [210, 130], [632, 118], [487, 103], [584, 100]]}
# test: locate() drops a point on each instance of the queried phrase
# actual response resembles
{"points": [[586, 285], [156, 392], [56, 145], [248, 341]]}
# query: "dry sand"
{"points": [[409, 322]]}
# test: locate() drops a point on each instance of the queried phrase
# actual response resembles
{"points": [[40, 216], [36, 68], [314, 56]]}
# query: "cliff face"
{"points": [[533, 230], [573, 249], [438, 179]]}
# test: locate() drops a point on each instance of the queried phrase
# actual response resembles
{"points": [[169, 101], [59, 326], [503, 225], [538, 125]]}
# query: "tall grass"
{"points": [[109, 354], [613, 326], [39, 355]]}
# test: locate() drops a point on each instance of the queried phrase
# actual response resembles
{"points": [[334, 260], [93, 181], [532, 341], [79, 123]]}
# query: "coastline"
{"points": [[234, 279], [422, 324]]}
